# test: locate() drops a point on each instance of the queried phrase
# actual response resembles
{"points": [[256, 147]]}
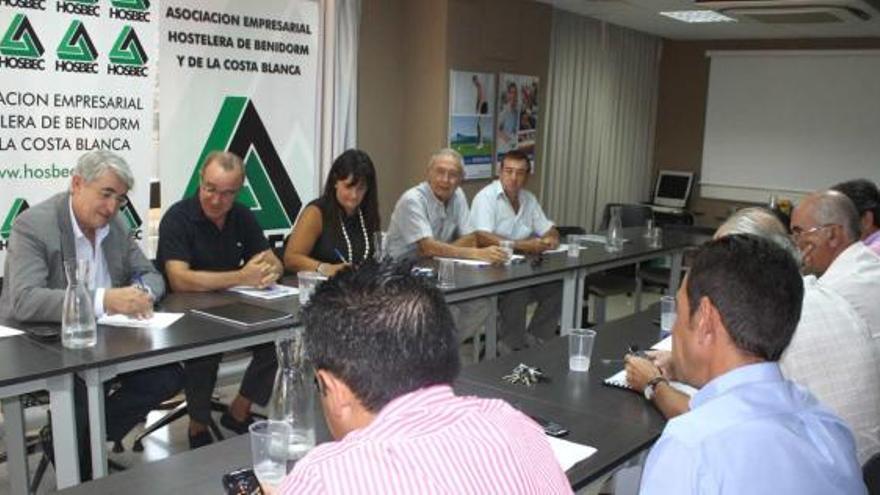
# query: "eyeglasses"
{"points": [[797, 232], [108, 193], [212, 190]]}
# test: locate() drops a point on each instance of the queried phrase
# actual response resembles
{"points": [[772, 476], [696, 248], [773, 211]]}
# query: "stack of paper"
{"points": [[158, 320], [275, 291], [9, 332], [569, 453]]}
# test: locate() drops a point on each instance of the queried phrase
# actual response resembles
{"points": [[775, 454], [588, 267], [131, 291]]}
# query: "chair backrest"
{"points": [[871, 474], [631, 215]]}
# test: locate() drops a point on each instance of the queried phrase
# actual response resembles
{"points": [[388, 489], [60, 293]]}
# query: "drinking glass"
{"points": [[580, 348]]}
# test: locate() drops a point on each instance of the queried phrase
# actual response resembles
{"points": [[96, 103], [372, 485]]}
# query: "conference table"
{"points": [[620, 424], [121, 350], [26, 367]]}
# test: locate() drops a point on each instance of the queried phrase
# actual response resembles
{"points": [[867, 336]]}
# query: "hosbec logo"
{"points": [[76, 52], [127, 57], [78, 7], [130, 10], [25, 4], [20, 48], [18, 206], [132, 221]]}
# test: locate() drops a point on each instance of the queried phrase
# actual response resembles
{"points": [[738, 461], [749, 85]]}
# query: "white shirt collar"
{"points": [[100, 233]]}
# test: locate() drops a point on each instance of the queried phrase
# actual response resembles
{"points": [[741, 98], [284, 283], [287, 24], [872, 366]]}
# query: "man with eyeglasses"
{"points": [[431, 220], [210, 242], [82, 224], [505, 210], [826, 228]]}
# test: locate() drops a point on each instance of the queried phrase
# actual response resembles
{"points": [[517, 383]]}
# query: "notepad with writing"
{"points": [[244, 315], [619, 379]]}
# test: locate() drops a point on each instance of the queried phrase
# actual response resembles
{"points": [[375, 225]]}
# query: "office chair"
{"points": [[621, 280], [231, 371]]}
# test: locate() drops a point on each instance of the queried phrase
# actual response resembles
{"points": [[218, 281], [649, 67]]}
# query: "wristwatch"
{"points": [[649, 388]]}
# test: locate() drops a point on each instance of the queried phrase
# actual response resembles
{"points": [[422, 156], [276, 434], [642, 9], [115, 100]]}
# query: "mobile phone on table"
{"points": [[242, 482], [551, 428]]}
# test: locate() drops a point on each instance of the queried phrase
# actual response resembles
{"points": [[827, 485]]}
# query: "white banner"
{"points": [[242, 77], [75, 76]]}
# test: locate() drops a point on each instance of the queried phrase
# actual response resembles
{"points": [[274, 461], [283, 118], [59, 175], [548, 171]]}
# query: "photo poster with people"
{"points": [[75, 77], [241, 77], [517, 115], [471, 120]]}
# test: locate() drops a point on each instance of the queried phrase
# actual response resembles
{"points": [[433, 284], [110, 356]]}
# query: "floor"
{"points": [[173, 439]]}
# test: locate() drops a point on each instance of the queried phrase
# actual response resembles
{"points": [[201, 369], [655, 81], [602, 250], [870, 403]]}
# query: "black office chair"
{"points": [[621, 280], [871, 475]]}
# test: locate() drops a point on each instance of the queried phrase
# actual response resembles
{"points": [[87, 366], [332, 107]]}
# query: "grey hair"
{"points": [[226, 160], [94, 163], [448, 153], [759, 222], [835, 208]]}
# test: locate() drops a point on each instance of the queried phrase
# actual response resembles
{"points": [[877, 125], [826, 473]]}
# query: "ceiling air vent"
{"points": [[795, 11], [798, 15]]}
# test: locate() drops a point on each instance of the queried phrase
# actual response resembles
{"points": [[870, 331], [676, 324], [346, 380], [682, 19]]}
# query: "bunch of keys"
{"points": [[525, 375]]}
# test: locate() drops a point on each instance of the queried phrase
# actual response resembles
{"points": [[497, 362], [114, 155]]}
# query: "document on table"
{"points": [[468, 262], [158, 320], [9, 331], [275, 291], [569, 453], [561, 249]]}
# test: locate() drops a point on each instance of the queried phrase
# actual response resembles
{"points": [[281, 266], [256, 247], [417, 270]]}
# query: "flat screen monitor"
{"points": [[673, 188]]}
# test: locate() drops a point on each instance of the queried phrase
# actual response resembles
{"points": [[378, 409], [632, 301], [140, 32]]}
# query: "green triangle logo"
{"points": [[20, 39], [18, 206], [127, 50], [131, 4], [76, 45], [267, 191], [131, 217]]}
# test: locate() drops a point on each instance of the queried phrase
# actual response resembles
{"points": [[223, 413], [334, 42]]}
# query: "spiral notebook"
{"points": [[619, 379], [244, 315]]}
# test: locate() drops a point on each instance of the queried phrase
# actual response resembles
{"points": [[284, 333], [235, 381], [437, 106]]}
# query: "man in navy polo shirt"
{"points": [[209, 242]]}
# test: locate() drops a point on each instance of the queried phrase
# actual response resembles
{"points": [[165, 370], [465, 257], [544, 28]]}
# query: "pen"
{"points": [[339, 255]]}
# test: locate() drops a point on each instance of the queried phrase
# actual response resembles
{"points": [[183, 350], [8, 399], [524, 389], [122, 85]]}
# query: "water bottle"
{"points": [[78, 328], [614, 236], [294, 394]]}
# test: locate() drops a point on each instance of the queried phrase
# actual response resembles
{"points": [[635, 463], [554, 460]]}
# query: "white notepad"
{"points": [[569, 453], [275, 291], [159, 320]]}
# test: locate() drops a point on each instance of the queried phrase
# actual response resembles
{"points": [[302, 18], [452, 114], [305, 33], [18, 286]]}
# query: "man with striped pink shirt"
{"points": [[385, 351]]}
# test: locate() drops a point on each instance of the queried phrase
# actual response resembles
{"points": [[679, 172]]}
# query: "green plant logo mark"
{"points": [[267, 191]]}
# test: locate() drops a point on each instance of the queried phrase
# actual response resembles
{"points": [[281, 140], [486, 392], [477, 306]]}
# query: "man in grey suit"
{"points": [[82, 224]]}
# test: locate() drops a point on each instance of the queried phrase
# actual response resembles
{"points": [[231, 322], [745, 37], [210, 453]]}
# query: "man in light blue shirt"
{"points": [[505, 210], [749, 430], [432, 220]]}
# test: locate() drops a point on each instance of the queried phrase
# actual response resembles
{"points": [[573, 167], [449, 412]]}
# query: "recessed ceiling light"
{"points": [[694, 16]]}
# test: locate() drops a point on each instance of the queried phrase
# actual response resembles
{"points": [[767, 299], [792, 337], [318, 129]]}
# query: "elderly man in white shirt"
{"points": [[432, 220], [827, 228], [505, 210]]}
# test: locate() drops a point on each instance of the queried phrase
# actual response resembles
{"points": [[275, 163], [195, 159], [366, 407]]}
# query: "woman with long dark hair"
{"points": [[336, 230]]}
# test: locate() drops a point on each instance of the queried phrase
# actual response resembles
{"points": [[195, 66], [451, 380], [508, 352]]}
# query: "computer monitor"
{"points": [[673, 188]]}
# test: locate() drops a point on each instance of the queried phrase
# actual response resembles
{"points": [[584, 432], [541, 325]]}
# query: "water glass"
{"points": [[649, 228], [580, 347], [446, 274], [269, 440], [574, 245], [667, 315], [656, 239], [307, 282], [507, 246], [380, 241]]}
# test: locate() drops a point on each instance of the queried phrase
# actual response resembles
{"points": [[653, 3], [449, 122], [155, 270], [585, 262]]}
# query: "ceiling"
{"points": [[642, 15]]}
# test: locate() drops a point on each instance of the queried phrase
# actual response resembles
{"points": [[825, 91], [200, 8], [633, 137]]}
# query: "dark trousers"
{"points": [[128, 399], [201, 376]]}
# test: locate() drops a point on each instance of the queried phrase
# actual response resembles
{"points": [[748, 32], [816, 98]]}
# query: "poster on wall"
{"points": [[74, 77], [241, 77], [471, 120], [517, 115]]}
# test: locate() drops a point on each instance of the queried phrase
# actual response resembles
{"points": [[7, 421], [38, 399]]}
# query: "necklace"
{"points": [[350, 259]]}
